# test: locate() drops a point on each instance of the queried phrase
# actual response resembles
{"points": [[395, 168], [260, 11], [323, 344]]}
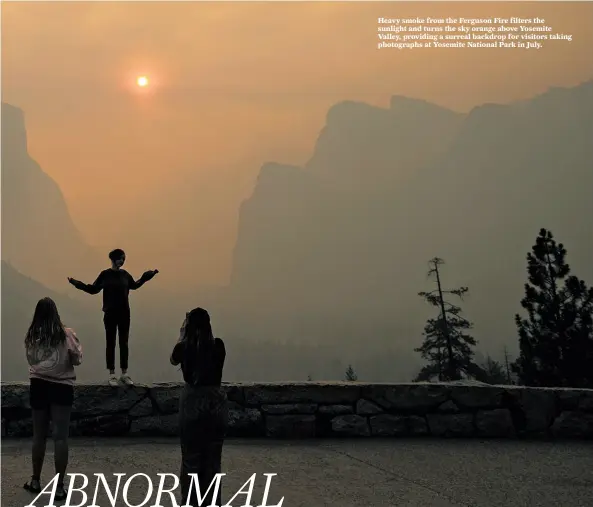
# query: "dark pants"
{"points": [[117, 322], [203, 420]]}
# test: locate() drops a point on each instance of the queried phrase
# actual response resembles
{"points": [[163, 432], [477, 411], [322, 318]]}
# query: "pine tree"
{"points": [[556, 338], [578, 356], [351, 374], [447, 347]]}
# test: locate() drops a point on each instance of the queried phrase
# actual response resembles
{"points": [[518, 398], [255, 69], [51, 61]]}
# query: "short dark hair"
{"points": [[116, 254]]}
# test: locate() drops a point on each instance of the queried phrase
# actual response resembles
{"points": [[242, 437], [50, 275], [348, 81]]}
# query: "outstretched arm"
{"points": [[146, 276], [92, 289]]}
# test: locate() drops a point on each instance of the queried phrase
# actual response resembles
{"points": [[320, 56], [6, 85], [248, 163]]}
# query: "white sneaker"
{"points": [[113, 381], [125, 379]]}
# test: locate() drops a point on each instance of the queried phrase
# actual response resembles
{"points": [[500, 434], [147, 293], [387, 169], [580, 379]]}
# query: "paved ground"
{"points": [[369, 473]]}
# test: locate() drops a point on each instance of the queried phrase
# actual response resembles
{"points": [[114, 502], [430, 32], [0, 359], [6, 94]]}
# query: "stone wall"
{"points": [[336, 409]]}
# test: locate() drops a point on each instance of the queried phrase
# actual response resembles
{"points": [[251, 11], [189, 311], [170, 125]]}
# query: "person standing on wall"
{"points": [[116, 284]]}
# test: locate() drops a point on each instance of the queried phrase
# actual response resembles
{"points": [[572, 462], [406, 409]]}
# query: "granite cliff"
{"points": [[39, 237], [385, 190]]}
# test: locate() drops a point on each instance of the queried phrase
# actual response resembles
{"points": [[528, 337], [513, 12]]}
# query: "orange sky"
{"points": [[234, 85]]}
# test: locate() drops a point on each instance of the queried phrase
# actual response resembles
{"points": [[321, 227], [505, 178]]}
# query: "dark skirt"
{"points": [[44, 393], [203, 421]]}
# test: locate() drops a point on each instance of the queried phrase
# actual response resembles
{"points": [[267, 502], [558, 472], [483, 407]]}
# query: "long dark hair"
{"points": [[46, 329], [199, 340]]}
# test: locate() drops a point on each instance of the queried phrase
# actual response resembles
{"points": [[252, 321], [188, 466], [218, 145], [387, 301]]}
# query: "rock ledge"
{"points": [[326, 409]]}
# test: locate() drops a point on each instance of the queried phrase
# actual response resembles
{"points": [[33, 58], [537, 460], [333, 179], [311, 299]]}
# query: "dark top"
{"points": [[116, 285], [203, 367]]}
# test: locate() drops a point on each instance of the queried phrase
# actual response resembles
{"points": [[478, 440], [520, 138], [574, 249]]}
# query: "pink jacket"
{"points": [[56, 365]]}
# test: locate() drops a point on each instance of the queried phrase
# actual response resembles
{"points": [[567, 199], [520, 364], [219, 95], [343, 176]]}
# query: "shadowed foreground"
{"points": [[394, 472]]}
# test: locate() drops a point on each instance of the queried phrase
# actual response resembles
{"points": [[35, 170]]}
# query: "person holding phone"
{"points": [[203, 407]]}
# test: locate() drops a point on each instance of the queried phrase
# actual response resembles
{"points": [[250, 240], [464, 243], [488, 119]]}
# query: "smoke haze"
{"points": [[291, 180]]}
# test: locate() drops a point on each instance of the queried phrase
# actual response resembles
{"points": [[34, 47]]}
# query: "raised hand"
{"points": [[150, 274]]}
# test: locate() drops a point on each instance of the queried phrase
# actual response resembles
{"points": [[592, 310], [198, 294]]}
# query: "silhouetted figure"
{"points": [[203, 410], [116, 284], [52, 352]]}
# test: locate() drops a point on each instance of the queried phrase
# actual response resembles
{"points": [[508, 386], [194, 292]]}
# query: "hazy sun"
{"points": [[142, 81]]}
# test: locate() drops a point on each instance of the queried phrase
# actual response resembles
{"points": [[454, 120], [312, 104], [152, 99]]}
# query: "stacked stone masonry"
{"points": [[332, 409]]}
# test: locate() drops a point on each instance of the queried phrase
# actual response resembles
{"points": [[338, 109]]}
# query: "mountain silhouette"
{"points": [[385, 190], [335, 252], [39, 237]]}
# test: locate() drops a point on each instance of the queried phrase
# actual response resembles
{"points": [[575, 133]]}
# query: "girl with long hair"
{"points": [[203, 410], [52, 351]]}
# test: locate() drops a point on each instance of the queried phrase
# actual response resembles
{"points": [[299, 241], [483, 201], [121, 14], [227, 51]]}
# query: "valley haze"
{"points": [[298, 199]]}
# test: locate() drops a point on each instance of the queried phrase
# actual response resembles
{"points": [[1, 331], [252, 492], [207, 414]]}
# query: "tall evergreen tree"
{"points": [[578, 311], [447, 346], [556, 338]]}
